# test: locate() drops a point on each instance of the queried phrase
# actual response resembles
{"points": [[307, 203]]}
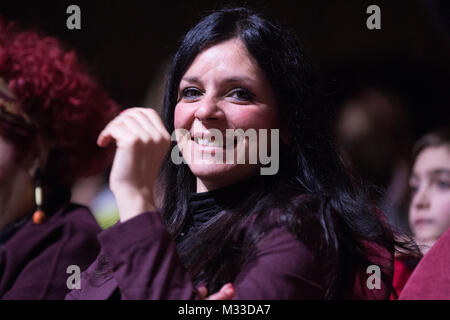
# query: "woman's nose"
{"points": [[208, 109], [421, 200]]}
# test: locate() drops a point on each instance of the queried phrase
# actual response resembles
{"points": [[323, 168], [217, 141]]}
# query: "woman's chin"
{"points": [[207, 169], [217, 175]]}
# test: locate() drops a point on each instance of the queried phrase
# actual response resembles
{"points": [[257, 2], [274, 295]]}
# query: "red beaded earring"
{"points": [[39, 214]]}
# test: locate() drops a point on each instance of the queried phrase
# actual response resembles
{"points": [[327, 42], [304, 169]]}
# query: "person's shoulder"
{"points": [[41, 253], [67, 220], [430, 279], [79, 216], [71, 224], [437, 259], [444, 242]]}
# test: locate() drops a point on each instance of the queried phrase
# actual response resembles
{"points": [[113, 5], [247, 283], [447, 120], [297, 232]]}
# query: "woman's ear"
{"points": [[38, 157], [34, 166]]}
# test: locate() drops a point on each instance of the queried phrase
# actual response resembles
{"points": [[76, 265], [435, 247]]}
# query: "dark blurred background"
{"points": [[127, 41], [390, 86]]}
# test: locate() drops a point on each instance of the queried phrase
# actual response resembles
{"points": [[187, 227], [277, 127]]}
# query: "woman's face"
{"points": [[429, 212], [224, 88], [16, 191], [8, 164]]}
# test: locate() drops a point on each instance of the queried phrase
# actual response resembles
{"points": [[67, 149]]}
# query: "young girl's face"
{"points": [[429, 212], [224, 88]]}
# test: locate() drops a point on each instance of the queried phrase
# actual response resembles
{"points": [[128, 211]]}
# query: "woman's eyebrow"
{"points": [[230, 79], [413, 177], [237, 79], [438, 172], [191, 79]]}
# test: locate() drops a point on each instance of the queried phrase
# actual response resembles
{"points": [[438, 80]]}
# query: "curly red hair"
{"points": [[55, 89]]}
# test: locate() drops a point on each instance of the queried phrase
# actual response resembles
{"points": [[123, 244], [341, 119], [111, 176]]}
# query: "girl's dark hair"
{"points": [[333, 216], [436, 138]]}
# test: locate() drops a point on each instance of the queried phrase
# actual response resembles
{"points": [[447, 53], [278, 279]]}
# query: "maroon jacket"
{"points": [[34, 260], [431, 278], [145, 265]]}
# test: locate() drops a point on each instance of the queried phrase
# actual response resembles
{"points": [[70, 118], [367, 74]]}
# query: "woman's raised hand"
{"points": [[142, 142]]}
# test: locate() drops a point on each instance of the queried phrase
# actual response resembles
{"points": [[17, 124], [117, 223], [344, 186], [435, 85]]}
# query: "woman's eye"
{"points": [[241, 94], [190, 93], [443, 184], [413, 189]]}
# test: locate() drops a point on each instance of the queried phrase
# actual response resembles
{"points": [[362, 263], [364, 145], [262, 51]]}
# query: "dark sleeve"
{"points": [[43, 274], [146, 265], [431, 278], [283, 268]]}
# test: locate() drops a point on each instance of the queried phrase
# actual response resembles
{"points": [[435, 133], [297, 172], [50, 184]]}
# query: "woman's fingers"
{"points": [[155, 119], [225, 293], [104, 138], [143, 133], [142, 143], [144, 123], [114, 132], [202, 292]]}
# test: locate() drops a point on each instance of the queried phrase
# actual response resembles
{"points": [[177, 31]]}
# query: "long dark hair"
{"points": [[320, 201]]}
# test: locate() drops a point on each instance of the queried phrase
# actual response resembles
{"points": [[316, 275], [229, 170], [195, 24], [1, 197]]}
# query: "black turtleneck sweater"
{"points": [[203, 206]]}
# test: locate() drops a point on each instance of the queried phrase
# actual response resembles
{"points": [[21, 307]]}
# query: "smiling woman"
{"points": [[223, 89], [306, 232]]}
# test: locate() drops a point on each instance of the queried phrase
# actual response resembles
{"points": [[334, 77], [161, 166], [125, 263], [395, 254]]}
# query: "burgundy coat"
{"points": [[431, 278], [34, 261], [145, 265]]}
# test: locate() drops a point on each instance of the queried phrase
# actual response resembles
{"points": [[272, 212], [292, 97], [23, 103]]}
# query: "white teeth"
{"points": [[206, 142], [229, 142]]}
